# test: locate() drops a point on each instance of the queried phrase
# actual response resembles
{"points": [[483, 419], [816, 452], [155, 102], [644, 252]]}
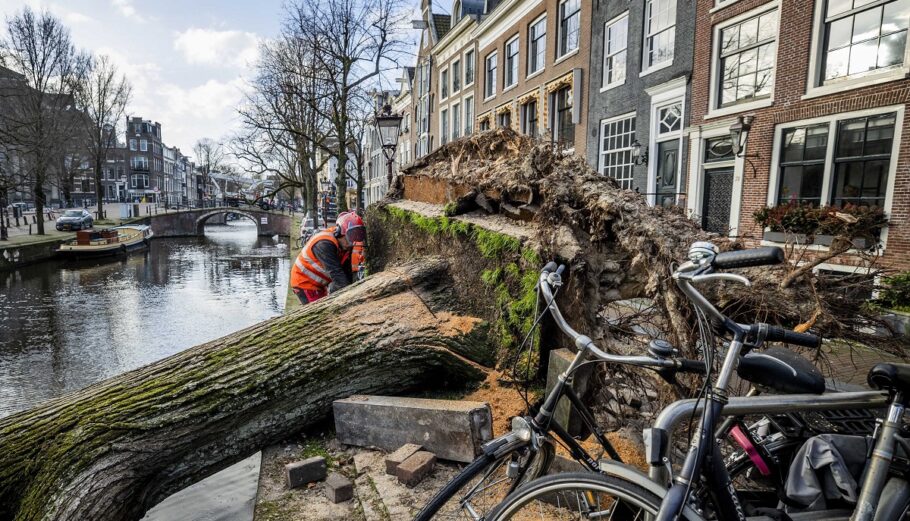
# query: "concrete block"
{"points": [[452, 429], [307, 471], [338, 488], [416, 467], [565, 414], [395, 458]]}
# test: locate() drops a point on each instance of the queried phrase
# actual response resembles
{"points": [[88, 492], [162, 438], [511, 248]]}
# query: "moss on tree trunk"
{"points": [[114, 449]]}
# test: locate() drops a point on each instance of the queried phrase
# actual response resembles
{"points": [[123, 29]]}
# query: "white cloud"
{"points": [[74, 18], [218, 48], [127, 9]]}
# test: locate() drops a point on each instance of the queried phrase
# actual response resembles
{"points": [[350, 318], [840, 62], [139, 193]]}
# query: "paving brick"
{"points": [[338, 488], [412, 470], [403, 453], [307, 471], [451, 429]]}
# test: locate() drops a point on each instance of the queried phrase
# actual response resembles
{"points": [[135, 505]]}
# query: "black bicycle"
{"points": [[526, 452]]}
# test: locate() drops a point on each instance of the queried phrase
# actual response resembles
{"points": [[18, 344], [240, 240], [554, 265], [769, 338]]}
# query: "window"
{"points": [[504, 119], [485, 124], [537, 46], [747, 54], [529, 118], [563, 129], [468, 68], [511, 63], [139, 163], [862, 37], [456, 76], [858, 174], [456, 120], [569, 25], [719, 149], [143, 145], [660, 32], [490, 86], [669, 118], [133, 145], [444, 83], [862, 159], [444, 126], [140, 181], [616, 138], [468, 115], [802, 164], [616, 35]]}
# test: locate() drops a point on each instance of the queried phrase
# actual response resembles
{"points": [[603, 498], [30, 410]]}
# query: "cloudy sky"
{"points": [[187, 60]]}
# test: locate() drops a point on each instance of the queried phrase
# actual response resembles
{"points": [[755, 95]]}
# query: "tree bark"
{"points": [[114, 449]]}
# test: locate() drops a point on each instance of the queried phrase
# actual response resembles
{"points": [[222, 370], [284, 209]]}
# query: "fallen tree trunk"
{"points": [[114, 449]]}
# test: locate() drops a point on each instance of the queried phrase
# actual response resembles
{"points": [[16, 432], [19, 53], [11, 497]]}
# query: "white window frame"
{"points": [[559, 13], [444, 126], [456, 64], [828, 175], [666, 94], [720, 4], [648, 69], [134, 145], [814, 88], [523, 119], [508, 66], [543, 66], [143, 145], [601, 152], [455, 115], [444, 84], [486, 75], [716, 77], [468, 102], [603, 66], [464, 69]]}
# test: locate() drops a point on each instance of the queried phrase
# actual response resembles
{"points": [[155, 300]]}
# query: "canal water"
{"points": [[66, 325]]}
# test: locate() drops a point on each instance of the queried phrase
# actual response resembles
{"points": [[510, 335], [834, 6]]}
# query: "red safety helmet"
{"points": [[351, 226]]}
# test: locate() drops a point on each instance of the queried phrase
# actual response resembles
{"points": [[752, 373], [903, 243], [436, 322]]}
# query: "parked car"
{"points": [[74, 220]]}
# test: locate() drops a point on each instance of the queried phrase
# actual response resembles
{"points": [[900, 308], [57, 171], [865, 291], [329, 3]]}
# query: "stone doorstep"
{"points": [[309, 470], [394, 459], [452, 429], [416, 467]]}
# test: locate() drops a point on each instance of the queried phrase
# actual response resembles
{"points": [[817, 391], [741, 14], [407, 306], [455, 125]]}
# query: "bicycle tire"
{"points": [[485, 465], [552, 497]]}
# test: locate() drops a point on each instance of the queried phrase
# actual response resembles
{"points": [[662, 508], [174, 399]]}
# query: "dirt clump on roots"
{"points": [[628, 247]]}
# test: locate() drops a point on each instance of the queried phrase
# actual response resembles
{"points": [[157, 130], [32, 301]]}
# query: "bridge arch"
{"points": [[201, 220]]}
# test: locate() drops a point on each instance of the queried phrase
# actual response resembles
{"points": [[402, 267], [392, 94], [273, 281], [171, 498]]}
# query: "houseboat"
{"points": [[119, 240]]}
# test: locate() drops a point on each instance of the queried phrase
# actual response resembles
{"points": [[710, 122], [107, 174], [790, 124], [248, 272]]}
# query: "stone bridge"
{"points": [[186, 223]]}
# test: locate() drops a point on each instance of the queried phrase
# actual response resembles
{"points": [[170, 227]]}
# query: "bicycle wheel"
{"points": [[485, 483], [580, 496]]}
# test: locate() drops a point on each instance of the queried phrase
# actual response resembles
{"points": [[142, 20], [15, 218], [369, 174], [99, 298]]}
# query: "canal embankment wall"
{"points": [[18, 255]]}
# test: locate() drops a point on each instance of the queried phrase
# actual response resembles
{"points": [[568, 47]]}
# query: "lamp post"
{"points": [[388, 125]]}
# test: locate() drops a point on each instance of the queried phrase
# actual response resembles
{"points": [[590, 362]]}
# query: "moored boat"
{"points": [[119, 240]]}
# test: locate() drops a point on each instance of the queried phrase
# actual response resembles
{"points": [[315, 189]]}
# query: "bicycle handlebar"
{"points": [[779, 334], [583, 342], [766, 256]]}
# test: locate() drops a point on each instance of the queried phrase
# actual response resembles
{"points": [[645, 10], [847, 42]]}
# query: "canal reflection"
{"points": [[66, 325]]}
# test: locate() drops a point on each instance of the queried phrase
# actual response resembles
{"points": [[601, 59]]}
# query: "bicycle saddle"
{"points": [[781, 370], [894, 377]]}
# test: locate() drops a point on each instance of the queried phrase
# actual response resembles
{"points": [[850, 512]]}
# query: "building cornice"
{"points": [[503, 18]]}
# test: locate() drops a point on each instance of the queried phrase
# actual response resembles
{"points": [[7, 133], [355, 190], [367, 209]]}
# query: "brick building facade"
{"points": [[532, 61], [828, 92]]}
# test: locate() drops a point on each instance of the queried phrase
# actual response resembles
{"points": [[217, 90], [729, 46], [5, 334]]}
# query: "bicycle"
{"points": [[526, 452], [626, 494]]}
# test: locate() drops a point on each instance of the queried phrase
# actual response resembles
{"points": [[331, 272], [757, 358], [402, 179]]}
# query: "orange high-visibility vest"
{"points": [[308, 273], [358, 256]]}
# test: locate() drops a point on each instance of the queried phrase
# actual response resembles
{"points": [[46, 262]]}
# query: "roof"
{"points": [[442, 23], [472, 7]]}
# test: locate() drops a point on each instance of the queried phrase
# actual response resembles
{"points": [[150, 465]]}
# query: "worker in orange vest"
{"points": [[324, 263]]}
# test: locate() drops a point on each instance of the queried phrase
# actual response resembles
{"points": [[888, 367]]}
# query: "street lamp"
{"points": [[739, 133], [389, 126]]}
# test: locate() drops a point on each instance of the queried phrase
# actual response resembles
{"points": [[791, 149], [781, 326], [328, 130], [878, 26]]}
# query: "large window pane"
{"points": [[616, 150], [747, 58], [864, 36]]}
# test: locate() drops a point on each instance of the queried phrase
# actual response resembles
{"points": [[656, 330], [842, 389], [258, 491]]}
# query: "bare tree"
{"points": [[103, 96], [209, 158], [353, 41], [39, 106]]}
